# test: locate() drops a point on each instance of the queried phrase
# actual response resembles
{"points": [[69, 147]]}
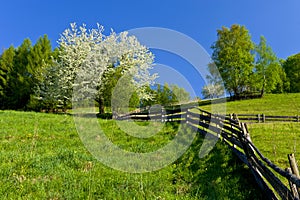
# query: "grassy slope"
{"points": [[277, 140], [274, 140], [270, 104], [42, 157]]}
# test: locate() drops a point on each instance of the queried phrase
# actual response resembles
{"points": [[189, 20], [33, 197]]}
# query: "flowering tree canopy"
{"points": [[91, 63]]}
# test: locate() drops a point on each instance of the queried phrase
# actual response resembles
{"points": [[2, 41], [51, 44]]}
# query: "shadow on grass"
{"points": [[219, 175], [92, 115]]}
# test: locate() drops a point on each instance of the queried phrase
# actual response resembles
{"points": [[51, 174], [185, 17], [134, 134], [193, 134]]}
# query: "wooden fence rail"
{"points": [[262, 118], [234, 133]]}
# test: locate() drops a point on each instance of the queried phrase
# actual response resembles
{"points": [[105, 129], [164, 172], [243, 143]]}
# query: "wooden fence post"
{"points": [[293, 164], [235, 117], [187, 116], [258, 118], [245, 131], [297, 118], [162, 115], [263, 118], [293, 186], [217, 125], [294, 167]]}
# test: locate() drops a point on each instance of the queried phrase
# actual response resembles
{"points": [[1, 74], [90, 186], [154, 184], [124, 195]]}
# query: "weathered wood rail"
{"points": [[262, 118], [235, 135]]}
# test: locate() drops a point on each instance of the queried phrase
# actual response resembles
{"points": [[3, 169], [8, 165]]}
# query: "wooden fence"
{"points": [[262, 118], [235, 135]]}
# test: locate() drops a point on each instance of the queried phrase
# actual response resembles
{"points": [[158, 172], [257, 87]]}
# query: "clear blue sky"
{"points": [[278, 21]]}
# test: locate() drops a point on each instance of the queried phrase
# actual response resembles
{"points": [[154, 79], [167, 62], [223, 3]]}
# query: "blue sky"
{"points": [[278, 21]]}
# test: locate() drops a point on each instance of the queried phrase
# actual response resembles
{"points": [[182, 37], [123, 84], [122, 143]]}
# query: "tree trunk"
{"points": [[262, 92], [101, 105], [263, 87]]}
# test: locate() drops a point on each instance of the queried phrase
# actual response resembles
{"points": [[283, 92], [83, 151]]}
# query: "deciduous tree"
{"points": [[233, 58], [292, 69], [97, 61], [215, 87], [269, 74]]}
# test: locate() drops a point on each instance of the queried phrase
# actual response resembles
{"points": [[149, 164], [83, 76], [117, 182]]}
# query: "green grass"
{"points": [[277, 140], [42, 157], [270, 104], [274, 140]]}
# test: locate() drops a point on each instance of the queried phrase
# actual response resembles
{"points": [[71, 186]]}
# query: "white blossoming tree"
{"points": [[92, 63], [214, 87], [48, 91], [212, 91]]}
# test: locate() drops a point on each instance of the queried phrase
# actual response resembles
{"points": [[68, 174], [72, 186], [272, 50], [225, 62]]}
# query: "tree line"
{"points": [[38, 77], [248, 69], [20, 69], [35, 77]]}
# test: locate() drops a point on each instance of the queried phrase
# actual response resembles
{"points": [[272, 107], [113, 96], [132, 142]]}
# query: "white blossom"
{"points": [[85, 55]]}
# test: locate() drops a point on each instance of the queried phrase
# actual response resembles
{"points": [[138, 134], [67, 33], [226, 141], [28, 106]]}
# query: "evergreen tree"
{"points": [[6, 67], [19, 87], [48, 91], [39, 59]]}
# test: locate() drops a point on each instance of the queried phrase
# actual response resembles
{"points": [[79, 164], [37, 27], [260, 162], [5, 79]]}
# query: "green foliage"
{"points": [[233, 54], [181, 95], [167, 95], [164, 95], [39, 59], [124, 90], [48, 92], [6, 66], [292, 69], [21, 71], [122, 95], [40, 62], [42, 157], [19, 85], [269, 75], [233, 58]]}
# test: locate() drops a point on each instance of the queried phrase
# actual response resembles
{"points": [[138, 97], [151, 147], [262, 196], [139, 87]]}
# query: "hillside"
{"points": [[270, 104], [43, 157], [274, 140]]}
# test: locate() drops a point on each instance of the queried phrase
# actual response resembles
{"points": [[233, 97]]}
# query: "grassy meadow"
{"points": [[270, 104], [275, 140], [42, 157]]}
